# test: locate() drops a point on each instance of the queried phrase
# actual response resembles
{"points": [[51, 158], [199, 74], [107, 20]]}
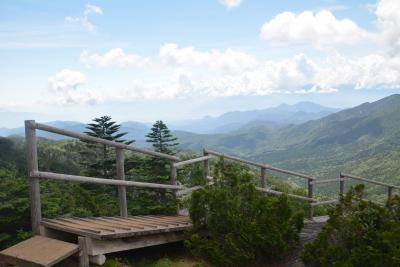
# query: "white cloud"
{"points": [[296, 75], [320, 29], [64, 87], [388, 19], [367, 72], [84, 19], [115, 57], [66, 80], [229, 61], [231, 3]]}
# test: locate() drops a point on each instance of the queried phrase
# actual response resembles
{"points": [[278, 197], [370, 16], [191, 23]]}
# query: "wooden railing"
{"points": [[34, 174], [311, 181]]}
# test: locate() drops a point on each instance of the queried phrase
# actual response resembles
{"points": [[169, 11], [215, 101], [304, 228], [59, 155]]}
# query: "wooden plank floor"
{"points": [[38, 251], [118, 227]]}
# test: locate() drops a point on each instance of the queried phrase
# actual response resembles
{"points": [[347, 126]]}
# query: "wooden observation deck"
{"points": [[93, 237]]}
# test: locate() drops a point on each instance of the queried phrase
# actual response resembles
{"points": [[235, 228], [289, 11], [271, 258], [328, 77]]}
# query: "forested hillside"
{"points": [[362, 140]]}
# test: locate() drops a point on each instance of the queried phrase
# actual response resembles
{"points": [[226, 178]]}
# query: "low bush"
{"points": [[234, 224], [358, 233]]}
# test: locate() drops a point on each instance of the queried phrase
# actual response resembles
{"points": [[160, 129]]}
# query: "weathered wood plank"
{"points": [[87, 225], [38, 251], [103, 223]]}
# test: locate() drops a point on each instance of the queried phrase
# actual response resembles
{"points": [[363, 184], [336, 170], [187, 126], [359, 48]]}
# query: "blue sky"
{"points": [[173, 60]]}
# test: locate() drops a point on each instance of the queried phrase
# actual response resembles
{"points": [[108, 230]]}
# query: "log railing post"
{"points": [[263, 177], [34, 185], [390, 192], [310, 195], [120, 162], [341, 185], [173, 172], [206, 165]]}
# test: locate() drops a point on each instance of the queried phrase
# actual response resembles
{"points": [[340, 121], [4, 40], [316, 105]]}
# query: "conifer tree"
{"points": [[164, 142], [161, 138], [104, 128]]}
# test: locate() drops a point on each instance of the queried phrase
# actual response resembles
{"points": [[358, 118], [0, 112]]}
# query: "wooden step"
{"points": [[38, 251]]}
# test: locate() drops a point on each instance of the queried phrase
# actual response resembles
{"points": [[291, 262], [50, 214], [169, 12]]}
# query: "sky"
{"points": [[177, 60]]}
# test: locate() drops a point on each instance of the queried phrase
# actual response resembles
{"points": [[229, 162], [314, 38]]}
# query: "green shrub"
{"points": [[358, 233], [241, 224]]}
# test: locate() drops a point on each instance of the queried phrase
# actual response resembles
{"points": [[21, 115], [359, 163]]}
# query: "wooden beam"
{"points": [[273, 192], [326, 181], [308, 177], [390, 192], [263, 177], [123, 207], [34, 185], [327, 202], [191, 161], [87, 138], [94, 180], [310, 195], [206, 165], [114, 245], [173, 174], [341, 185], [369, 181], [84, 247]]}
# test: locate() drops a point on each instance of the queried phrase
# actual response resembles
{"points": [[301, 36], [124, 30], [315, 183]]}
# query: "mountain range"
{"points": [[363, 140], [276, 116]]}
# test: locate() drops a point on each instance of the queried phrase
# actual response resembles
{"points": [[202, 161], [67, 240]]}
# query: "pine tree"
{"points": [[164, 142], [104, 128], [161, 138]]}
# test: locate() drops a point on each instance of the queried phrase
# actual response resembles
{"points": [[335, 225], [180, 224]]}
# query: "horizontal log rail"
{"points": [[260, 165], [273, 192], [345, 175], [95, 180], [325, 202], [88, 138], [329, 181], [191, 161]]}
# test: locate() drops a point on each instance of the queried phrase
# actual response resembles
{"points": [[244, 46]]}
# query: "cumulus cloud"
{"points": [[231, 3], [84, 19], [367, 72], [115, 57], [320, 29], [388, 20], [64, 87], [229, 61], [296, 75]]}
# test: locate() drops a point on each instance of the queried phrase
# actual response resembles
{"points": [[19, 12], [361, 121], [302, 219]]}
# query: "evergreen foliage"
{"points": [[155, 170], [162, 141], [242, 225], [104, 128], [358, 233]]}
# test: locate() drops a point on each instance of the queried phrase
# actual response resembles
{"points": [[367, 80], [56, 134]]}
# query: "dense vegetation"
{"points": [[242, 225], [358, 233]]}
